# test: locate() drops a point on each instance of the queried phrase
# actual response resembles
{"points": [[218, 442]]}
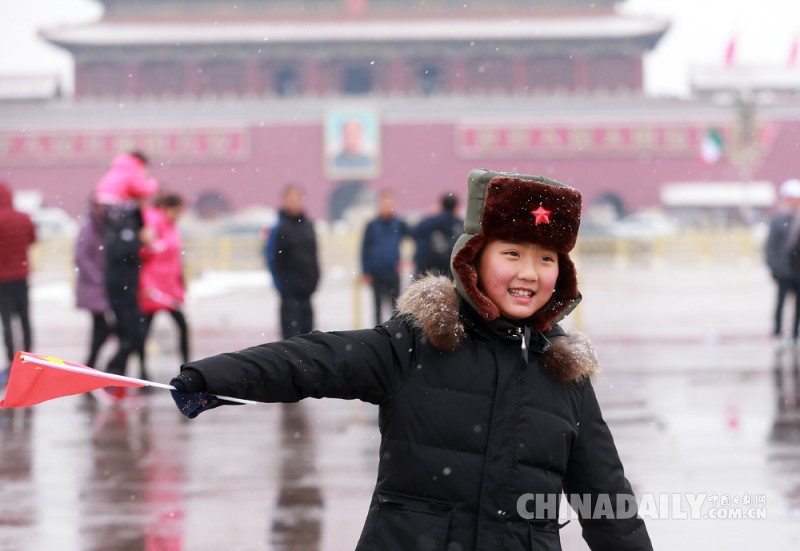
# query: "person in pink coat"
{"points": [[121, 193], [126, 180], [161, 284]]}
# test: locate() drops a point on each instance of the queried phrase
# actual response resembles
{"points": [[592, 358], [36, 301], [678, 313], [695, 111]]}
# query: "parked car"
{"points": [[53, 222], [644, 225]]}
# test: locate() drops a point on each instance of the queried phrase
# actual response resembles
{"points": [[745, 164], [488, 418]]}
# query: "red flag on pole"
{"points": [[35, 379], [356, 7], [730, 52], [791, 61]]}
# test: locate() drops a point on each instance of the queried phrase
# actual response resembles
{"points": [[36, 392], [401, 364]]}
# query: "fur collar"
{"points": [[431, 304]]}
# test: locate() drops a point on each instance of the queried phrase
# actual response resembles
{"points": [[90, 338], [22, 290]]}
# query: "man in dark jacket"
{"points": [[17, 233], [380, 254], [291, 256], [435, 237], [783, 257]]}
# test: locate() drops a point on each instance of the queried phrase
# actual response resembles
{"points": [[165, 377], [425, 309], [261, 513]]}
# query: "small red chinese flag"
{"points": [[35, 379], [730, 52]]}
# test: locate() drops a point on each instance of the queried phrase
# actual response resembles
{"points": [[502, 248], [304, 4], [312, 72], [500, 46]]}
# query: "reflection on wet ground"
{"points": [[132, 494], [784, 450], [690, 415], [297, 521], [77, 476], [17, 510], [786, 372]]}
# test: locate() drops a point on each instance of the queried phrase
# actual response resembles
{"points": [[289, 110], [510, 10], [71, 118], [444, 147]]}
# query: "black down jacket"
{"points": [[121, 226], [295, 266], [464, 433]]}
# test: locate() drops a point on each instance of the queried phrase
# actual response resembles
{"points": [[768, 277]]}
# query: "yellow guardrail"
{"points": [[706, 245], [339, 251]]}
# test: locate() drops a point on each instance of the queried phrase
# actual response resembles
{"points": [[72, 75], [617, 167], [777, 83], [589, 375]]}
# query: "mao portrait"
{"points": [[352, 145]]}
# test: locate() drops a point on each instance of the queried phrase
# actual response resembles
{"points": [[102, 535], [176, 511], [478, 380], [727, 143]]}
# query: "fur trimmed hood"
{"points": [[432, 305]]}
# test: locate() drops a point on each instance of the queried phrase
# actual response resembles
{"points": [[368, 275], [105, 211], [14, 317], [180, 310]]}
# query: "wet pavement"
{"points": [[699, 404]]}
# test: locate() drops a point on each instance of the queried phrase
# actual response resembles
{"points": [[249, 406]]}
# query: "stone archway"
{"points": [[346, 195], [211, 204]]}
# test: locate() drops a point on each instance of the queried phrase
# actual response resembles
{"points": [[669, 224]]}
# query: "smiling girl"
{"points": [[487, 412]]}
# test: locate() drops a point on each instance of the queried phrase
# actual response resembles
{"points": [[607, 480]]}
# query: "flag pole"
{"points": [[115, 377]]}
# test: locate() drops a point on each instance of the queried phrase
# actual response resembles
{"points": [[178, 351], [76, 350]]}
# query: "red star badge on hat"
{"points": [[542, 215]]}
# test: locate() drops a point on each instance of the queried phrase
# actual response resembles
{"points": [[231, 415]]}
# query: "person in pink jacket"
{"points": [[126, 180], [161, 284], [121, 194]]}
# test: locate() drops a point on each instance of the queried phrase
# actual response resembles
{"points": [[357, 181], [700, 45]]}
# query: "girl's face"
{"points": [[518, 277]]}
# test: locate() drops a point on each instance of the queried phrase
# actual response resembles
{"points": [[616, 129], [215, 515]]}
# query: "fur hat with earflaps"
{"points": [[518, 208]]}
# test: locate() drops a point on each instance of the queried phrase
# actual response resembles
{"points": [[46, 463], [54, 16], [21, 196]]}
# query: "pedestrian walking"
{"points": [[782, 251], [17, 234], [380, 255], [90, 288], [161, 280], [122, 192], [487, 409], [290, 252], [435, 237]]}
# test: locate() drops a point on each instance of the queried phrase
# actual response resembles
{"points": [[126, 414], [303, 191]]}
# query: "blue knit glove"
{"points": [[190, 394]]}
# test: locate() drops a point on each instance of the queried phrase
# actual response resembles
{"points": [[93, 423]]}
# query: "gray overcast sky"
{"points": [[700, 32]]}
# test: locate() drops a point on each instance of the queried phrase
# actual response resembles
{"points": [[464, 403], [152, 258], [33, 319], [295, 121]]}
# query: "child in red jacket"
{"points": [[161, 282]]}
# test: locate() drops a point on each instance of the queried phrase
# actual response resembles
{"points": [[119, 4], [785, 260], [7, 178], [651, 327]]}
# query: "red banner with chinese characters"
{"points": [[508, 141], [193, 145]]}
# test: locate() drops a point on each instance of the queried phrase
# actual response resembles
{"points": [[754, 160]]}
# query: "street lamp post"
{"points": [[745, 148]]}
